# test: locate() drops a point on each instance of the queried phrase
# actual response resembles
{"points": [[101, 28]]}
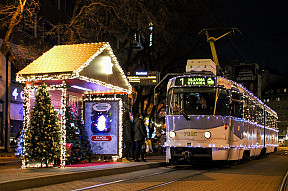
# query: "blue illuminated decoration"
{"points": [[19, 149], [101, 122], [101, 126]]}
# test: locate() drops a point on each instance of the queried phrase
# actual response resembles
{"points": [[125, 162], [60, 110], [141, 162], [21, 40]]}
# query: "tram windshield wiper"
{"points": [[182, 112]]}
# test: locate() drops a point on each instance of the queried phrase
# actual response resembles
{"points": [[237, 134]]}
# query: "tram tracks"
{"points": [[146, 176], [122, 180], [283, 184], [176, 180], [171, 175]]}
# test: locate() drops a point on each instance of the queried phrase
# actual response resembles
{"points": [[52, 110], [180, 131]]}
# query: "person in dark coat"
{"points": [[203, 107], [140, 134], [127, 135]]}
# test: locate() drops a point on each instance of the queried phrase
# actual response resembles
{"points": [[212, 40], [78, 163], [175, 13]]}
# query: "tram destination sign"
{"points": [[195, 81]]}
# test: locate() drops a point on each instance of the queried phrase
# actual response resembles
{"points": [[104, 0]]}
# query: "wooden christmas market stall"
{"points": [[74, 74]]}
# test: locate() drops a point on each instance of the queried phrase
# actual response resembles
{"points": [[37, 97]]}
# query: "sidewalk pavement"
{"points": [[12, 177], [9, 161]]}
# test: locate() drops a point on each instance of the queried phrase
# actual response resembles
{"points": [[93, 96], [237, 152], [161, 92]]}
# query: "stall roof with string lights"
{"points": [[90, 68]]}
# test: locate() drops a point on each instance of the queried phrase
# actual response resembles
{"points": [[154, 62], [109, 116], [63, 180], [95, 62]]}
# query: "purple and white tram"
{"points": [[234, 124]]}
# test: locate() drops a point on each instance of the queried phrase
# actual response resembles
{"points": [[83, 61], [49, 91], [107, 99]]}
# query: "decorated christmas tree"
{"points": [[43, 135], [77, 136], [85, 143], [19, 148]]}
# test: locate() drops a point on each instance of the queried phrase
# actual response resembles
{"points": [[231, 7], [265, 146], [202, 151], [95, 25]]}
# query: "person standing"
{"points": [[127, 135], [140, 134]]}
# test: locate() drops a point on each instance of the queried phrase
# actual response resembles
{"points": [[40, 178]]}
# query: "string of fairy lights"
{"points": [[76, 74], [63, 87], [31, 78], [26, 119]]}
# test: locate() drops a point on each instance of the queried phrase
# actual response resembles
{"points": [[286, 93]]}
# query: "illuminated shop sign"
{"points": [[143, 78], [141, 73], [101, 123], [17, 94], [195, 80]]}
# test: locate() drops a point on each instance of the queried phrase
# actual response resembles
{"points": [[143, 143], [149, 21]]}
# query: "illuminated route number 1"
{"points": [[182, 81]]}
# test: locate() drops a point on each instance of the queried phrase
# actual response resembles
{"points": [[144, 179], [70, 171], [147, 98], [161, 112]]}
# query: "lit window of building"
{"points": [[151, 34]]}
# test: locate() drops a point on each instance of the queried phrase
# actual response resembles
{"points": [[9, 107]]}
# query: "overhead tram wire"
{"points": [[220, 26]]}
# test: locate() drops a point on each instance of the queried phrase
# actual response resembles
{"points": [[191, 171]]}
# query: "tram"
{"points": [[210, 117]]}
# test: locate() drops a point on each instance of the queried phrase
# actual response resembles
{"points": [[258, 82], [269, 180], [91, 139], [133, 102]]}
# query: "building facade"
{"points": [[51, 12], [275, 95]]}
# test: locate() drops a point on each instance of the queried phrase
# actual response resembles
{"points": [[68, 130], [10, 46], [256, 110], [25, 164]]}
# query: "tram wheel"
{"points": [[263, 153], [171, 162], [246, 156]]}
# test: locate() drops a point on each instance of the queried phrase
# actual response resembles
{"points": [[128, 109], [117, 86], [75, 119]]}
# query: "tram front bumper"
{"points": [[190, 154]]}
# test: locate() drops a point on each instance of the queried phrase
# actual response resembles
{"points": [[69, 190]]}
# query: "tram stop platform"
{"points": [[12, 177]]}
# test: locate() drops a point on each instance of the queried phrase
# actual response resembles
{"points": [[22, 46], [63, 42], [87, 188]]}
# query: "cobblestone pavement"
{"points": [[262, 174]]}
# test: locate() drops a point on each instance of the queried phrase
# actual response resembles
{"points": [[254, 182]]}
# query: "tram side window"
{"points": [[222, 107], [176, 104], [246, 108], [274, 122], [267, 120], [169, 102], [258, 115], [253, 111], [237, 105], [269, 124], [250, 109]]}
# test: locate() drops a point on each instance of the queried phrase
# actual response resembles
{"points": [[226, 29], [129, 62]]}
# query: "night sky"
{"points": [[264, 27]]}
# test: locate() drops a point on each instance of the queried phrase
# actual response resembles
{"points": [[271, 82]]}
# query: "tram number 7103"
{"points": [[188, 133]]}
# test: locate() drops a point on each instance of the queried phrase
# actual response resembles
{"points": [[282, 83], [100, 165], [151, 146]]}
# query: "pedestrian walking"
{"points": [[140, 134], [127, 135]]}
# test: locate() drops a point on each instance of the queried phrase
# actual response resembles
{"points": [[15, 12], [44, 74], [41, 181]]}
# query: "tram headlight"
{"points": [[207, 134], [172, 134]]}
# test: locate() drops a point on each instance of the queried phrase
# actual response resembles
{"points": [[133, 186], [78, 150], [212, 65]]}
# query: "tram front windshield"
{"points": [[198, 101]]}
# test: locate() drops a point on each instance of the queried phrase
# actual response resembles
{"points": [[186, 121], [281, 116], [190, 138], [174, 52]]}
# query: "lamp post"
{"points": [[7, 105]]}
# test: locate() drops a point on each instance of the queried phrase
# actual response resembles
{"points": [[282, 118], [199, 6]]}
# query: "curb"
{"points": [[66, 177], [4, 163]]}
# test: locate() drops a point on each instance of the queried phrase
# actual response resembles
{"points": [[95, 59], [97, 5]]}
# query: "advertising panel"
{"points": [[247, 74], [102, 126]]}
